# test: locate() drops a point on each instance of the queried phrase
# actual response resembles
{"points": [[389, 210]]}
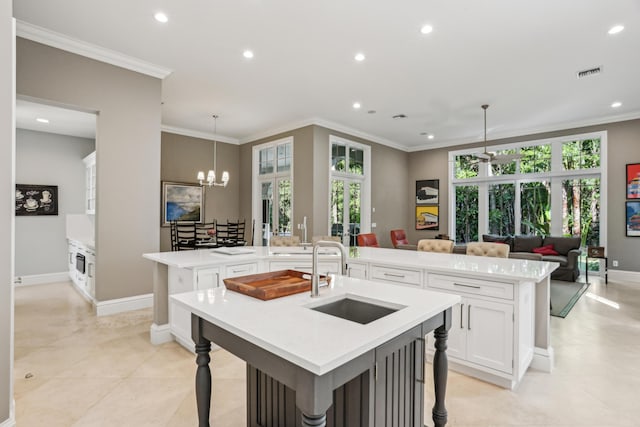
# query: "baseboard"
{"points": [[543, 359], [121, 305], [160, 334], [624, 276], [39, 279]]}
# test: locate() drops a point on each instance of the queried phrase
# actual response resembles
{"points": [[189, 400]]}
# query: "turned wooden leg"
{"points": [[203, 382], [440, 370], [314, 420]]}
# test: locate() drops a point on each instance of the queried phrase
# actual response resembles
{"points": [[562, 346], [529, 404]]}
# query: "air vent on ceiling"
{"points": [[590, 72], [399, 116]]}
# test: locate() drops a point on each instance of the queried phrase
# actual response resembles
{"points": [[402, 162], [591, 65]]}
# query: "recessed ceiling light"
{"points": [[616, 104], [42, 120], [356, 105], [426, 29], [430, 136], [161, 17], [247, 54], [359, 57], [616, 29]]}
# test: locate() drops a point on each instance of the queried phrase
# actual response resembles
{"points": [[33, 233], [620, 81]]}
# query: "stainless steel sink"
{"points": [[357, 310]]}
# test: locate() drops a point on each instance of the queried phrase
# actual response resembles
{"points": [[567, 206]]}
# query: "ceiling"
{"points": [[521, 57], [63, 121]]}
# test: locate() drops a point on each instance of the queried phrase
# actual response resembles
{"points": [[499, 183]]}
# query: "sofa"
{"points": [[563, 250]]}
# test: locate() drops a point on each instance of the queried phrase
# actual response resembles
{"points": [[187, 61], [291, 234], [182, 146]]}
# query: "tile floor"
{"points": [[74, 369]]}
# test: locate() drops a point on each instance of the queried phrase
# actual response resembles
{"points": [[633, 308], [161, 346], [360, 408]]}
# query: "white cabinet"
{"points": [[206, 278], [90, 183], [357, 269], [396, 275], [90, 283], [491, 335]]}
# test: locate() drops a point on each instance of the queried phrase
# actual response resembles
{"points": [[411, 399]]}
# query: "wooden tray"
{"points": [[274, 284]]}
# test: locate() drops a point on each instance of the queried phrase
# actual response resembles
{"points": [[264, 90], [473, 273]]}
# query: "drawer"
{"points": [[241, 269], [396, 275], [324, 267], [471, 286]]}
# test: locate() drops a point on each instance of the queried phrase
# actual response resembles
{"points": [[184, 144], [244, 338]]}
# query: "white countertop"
{"points": [[315, 341], [478, 266]]}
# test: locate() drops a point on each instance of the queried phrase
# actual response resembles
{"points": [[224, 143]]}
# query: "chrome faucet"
{"points": [[315, 276]]}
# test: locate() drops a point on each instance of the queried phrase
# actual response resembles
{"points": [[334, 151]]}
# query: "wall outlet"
{"points": [[615, 262], [374, 225]]}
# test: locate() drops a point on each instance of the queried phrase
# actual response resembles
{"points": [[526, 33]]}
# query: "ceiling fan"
{"points": [[490, 156]]}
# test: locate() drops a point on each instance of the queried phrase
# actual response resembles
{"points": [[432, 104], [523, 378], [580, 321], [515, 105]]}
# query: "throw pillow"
{"points": [[545, 250]]}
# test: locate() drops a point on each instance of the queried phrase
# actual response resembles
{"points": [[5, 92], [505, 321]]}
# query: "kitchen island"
{"points": [[375, 370], [501, 326]]}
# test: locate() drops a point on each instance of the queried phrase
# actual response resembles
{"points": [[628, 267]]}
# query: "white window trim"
{"points": [[556, 211], [257, 178], [365, 214]]}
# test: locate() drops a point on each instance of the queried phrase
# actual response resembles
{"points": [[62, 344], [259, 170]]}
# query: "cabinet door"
{"points": [[357, 270], [207, 278], [91, 275], [490, 334], [457, 340]]}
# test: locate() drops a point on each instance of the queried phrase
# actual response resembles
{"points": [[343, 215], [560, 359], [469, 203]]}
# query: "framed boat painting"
{"points": [[182, 202]]}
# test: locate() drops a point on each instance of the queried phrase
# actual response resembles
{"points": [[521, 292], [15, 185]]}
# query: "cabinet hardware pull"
{"points": [[423, 345], [461, 310], [466, 286], [394, 275], [469, 317], [90, 273]]}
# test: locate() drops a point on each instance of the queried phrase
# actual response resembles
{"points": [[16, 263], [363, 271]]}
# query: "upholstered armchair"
{"points": [[399, 240], [368, 239], [435, 245]]}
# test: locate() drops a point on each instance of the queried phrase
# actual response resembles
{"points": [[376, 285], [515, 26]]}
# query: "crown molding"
{"points": [[79, 47], [314, 121], [531, 131], [199, 134]]}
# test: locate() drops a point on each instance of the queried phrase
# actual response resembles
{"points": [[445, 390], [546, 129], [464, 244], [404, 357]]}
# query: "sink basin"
{"points": [[357, 310]]}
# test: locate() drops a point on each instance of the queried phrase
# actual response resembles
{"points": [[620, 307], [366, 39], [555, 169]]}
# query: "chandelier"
{"points": [[211, 175]]}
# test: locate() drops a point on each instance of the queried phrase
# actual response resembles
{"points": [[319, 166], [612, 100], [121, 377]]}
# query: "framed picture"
{"points": [[182, 202], [427, 192], [35, 200], [633, 181], [633, 219], [427, 218]]}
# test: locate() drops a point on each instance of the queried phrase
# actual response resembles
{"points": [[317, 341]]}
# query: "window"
{"points": [[350, 189], [553, 187], [273, 189]]}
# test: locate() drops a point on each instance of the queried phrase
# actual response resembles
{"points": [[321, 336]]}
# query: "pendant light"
{"points": [[211, 175]]}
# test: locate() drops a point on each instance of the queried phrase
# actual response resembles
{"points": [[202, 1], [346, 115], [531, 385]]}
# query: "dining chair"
{"points": [[435, 245], [498, 250], [185, 235], [398, 237], [206, 235], [284, 241]]}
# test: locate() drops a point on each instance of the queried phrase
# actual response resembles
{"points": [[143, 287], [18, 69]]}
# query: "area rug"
{"points": [[564, 295]]}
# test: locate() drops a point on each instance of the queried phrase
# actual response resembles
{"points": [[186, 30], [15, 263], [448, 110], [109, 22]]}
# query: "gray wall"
{"points": [[48, 159], [183, 157], [623, 148], [7, 156], [311, 181], [127, 153]]}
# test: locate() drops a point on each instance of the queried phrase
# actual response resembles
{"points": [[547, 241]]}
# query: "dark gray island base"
{"points": [[384, 386]]}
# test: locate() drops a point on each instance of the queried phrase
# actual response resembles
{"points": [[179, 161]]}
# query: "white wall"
{"points": [[48, 159], [7, 146]]}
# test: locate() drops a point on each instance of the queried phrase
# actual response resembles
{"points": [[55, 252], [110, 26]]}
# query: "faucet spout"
{"points": [[315, 275]]}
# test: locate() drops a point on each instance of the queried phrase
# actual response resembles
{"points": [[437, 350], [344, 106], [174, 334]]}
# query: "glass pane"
{"points": [[535, 205], [535, 159], [354, 211], [466, 166], [583, 154], [581, 208], [504, 167], [337, 207], [267, 211], [284, 207], [284, 157], [338, 157], [266, 160], [356, 161], [501, 209], [466, 213]]}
